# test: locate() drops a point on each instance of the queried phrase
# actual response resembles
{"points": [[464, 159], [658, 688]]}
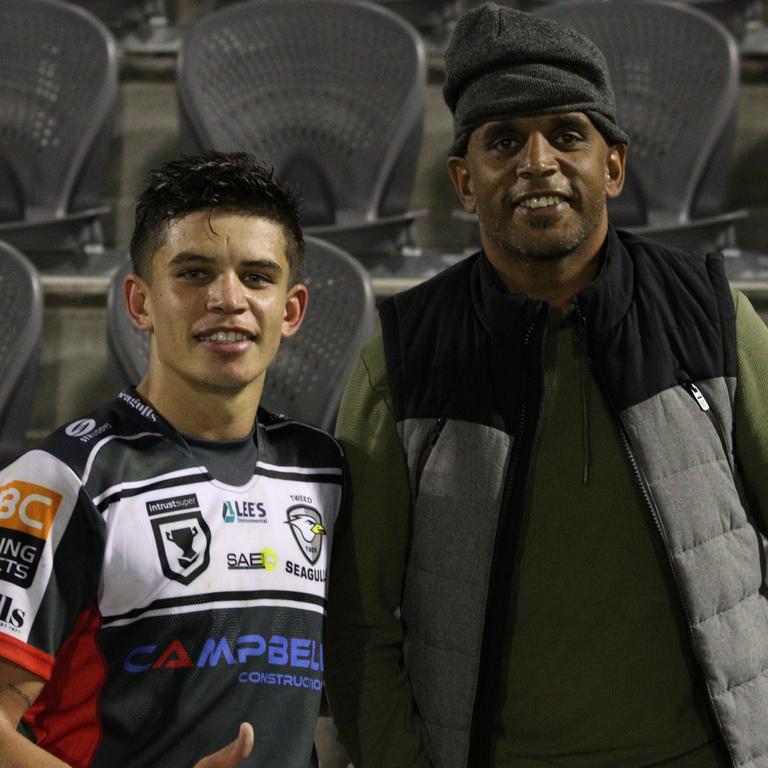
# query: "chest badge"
{"points": [[307, 529], [183, 538]]}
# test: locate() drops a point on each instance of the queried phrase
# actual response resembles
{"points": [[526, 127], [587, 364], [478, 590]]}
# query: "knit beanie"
{"points": [[502, 63]]}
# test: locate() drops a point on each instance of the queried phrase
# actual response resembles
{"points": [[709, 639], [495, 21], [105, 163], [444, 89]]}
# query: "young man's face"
{"points": [[218, 302], [539, 185]]}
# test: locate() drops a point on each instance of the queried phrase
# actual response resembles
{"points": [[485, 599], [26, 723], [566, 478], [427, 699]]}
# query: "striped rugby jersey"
{"points": [[161, 606]]}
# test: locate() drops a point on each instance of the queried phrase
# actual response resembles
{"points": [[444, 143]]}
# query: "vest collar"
{"points": [[604, 302]]}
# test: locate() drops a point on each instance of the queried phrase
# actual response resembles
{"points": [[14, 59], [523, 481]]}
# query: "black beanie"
{"points": [[502, 63]]}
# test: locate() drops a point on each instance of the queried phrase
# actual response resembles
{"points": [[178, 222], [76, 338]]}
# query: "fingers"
{"points": [[233, 753]]}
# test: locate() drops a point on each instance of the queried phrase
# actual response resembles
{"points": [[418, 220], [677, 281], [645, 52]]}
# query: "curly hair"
{"points": [[232, 181]]}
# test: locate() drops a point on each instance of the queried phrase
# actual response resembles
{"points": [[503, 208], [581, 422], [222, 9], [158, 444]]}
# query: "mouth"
{"points": [[226, 341], [534, 202]]}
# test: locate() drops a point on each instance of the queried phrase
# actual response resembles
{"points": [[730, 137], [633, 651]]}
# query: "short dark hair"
{"points": [[229, 181]]}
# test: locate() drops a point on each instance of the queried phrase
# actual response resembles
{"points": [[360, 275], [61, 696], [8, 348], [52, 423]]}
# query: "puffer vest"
{"points": [[465, 369]]}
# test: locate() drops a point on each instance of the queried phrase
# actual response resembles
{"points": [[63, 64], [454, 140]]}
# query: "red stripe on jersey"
{"points": [[65, 716], [32, 659]]}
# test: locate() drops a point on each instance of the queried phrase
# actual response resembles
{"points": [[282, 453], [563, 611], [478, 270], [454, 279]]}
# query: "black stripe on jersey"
{"points": [[308, 477], [215, 597], [171, 482]]}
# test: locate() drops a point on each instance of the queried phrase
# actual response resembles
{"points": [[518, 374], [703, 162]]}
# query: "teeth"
{"points": [[540, 202], [225, 337]]}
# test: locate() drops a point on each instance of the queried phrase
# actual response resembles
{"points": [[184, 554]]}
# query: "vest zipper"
{"points": [[651, 504], [701, 401], [486, 692], [427, 449]]}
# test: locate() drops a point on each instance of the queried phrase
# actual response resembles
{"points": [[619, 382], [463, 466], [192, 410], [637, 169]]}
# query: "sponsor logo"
{"points": [[310, 574], [307, 529], [26, 515], [275, 678], [86, 429], [265, 560], [80, 427], [11, 616], [244, 512], [296, 653], [182, 536], [173, 504], [138, 405]]}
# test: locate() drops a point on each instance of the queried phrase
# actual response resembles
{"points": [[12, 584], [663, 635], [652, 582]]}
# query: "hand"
{"points": [[233, 753]]}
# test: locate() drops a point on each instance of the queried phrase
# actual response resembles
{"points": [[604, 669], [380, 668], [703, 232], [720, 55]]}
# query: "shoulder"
{"points": [[450, 282], [78, 443], [286, 442]]}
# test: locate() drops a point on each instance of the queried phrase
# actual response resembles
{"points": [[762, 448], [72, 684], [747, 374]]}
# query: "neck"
{"points": [[200, 411]]}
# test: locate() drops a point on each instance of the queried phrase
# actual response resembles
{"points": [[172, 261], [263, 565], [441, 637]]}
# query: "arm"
{"points": [[18, 691], [751, 408], [368, 689]]}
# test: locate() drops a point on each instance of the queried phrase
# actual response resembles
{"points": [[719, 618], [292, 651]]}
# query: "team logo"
{"points": [[307, 529], [80, 427], [184, 545]]}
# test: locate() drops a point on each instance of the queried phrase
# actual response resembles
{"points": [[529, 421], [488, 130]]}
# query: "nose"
{"points": [[537, 158], [226, 295]]}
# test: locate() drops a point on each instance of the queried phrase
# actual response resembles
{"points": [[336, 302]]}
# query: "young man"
{"points": [[146, 603], [555, 555]]}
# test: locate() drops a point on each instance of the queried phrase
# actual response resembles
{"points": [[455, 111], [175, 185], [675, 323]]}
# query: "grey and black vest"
{"points": [[464, 366]]}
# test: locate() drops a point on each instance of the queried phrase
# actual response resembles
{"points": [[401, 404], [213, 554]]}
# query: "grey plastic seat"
{"points": [[675, 71], [329, 92], [58, 97], [21, 330], [307, 378]]}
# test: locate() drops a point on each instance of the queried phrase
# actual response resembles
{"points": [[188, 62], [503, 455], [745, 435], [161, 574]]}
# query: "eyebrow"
{"points": [[190, 257]]}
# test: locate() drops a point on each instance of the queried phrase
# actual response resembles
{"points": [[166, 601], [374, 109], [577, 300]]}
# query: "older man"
{"points": [[558, 449]]}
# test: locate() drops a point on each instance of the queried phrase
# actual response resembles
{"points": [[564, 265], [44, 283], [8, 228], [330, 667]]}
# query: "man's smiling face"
{"points": [[218, 301], [538, 185]]}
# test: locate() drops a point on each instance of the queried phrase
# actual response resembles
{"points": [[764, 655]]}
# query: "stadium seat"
{"points": [[307, 379], [675, 71], [21, 330], [329, 92], [58, 98]]}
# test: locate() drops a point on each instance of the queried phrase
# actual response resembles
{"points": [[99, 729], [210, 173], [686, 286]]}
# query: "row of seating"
{"points": [[331, 93], [305, 381]]}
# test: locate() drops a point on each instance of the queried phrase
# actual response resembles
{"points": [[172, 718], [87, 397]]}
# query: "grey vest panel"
{"points": [[686, 457], [454, 527]]}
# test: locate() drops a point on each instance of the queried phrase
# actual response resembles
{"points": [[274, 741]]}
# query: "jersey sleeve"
{"points": [[369, 691], [48, 534]]}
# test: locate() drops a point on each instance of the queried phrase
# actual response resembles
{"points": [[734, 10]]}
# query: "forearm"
{"points": [[18, 752], [369, 691]]}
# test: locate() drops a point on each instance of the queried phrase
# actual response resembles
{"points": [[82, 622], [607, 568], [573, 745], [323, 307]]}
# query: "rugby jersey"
{"points": [[161, 606]]}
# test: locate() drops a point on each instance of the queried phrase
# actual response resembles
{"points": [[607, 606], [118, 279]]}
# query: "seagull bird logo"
{"points": [[308, 529], [307, 526]]}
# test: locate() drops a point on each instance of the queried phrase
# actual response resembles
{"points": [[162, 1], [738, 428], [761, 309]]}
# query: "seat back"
{"points": [[58, 95], [675, 72], [307, 378], [329, 92], [21, 330]]}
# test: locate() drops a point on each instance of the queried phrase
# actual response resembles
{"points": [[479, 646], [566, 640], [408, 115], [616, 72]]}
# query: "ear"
{"points": [[458, 170], [614, 169], [136, 295], [295, 309]]}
